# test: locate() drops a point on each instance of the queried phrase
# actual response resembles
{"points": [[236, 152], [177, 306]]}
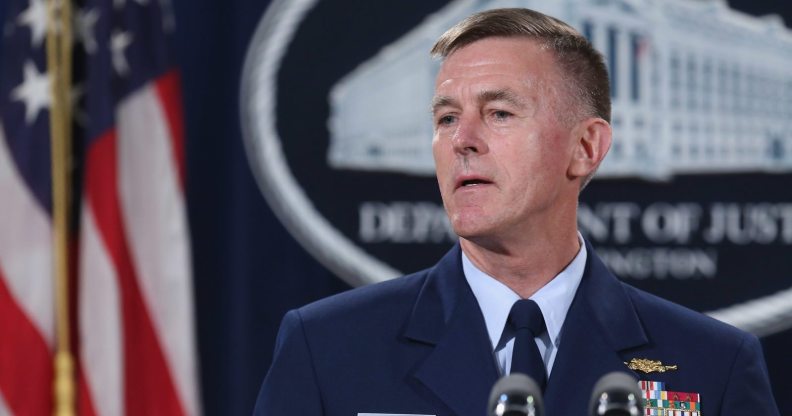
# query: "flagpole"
{"points": [[59, 61]]}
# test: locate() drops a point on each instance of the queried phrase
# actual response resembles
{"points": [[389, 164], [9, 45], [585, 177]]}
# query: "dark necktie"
{"points": [[528, 323]]}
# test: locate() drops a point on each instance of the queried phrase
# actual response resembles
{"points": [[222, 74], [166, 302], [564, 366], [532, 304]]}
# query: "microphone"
{"points": [[515, 395], [616, 394]]}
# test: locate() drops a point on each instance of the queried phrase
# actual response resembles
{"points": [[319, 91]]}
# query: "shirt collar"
{"points": [[496, 299]]}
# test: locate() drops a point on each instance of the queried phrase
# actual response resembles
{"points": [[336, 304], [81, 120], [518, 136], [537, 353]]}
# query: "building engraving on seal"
{"points": [[697, 88]]}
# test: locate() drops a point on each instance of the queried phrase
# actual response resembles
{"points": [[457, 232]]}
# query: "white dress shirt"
{"points": [[496, 299]]}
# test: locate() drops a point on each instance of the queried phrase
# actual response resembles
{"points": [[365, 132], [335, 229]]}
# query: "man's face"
{"points": [[501, 153]]}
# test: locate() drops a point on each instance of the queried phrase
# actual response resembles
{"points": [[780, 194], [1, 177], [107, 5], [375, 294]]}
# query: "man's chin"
{"points": [[485, 234], [473, 232], [468, 229]]}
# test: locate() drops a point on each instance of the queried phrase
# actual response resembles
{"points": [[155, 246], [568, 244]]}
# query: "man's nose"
{"points": [[469, 137]]}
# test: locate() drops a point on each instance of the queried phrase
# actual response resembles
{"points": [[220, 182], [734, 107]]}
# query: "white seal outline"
{"points": [[258, 91]]}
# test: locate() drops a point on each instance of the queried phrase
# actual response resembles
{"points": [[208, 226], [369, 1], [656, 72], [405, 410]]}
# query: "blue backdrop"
{"points": [[248, 269]]}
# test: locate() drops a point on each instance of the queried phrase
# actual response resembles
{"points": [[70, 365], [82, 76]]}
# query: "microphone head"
{"points": [[516, 395], [616, 394]]}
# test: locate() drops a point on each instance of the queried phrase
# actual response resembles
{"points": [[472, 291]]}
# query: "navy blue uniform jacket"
{"points": [[418, 345]]}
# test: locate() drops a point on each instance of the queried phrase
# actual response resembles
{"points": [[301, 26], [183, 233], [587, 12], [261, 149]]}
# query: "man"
{"points": [[521, 112]]}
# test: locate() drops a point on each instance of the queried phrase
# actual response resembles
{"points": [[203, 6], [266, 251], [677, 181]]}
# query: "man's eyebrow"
{"points": [[501, 95], [443, 101], [483, 97]]}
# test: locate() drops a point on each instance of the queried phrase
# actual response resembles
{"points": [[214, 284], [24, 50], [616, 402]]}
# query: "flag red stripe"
{"points": [[25, 361], [149, 386], [169, 92]]}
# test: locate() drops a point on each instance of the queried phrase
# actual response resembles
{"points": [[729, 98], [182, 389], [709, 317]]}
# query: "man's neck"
{"points": [[526, 267]]}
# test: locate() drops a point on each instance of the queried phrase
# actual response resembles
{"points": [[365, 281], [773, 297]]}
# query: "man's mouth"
{"points": [[472, 181]]}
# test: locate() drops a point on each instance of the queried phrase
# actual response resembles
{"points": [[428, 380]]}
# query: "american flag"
{"points": [[136, 350]]}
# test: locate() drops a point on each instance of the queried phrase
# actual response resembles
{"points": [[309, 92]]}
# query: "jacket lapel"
{"points": [[460, 370], [600, 324]]}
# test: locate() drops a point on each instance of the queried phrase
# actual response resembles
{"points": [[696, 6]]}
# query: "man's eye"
{"points": [[446, 120], [501, 115]]}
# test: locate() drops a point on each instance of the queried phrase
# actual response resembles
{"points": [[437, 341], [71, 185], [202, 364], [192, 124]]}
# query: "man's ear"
{"points": [[592, 141]]}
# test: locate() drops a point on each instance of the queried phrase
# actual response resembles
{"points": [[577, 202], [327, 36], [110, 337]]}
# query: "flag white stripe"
{"points": [[4, 410], [25, 246], [155, 216], [100, 321]]}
